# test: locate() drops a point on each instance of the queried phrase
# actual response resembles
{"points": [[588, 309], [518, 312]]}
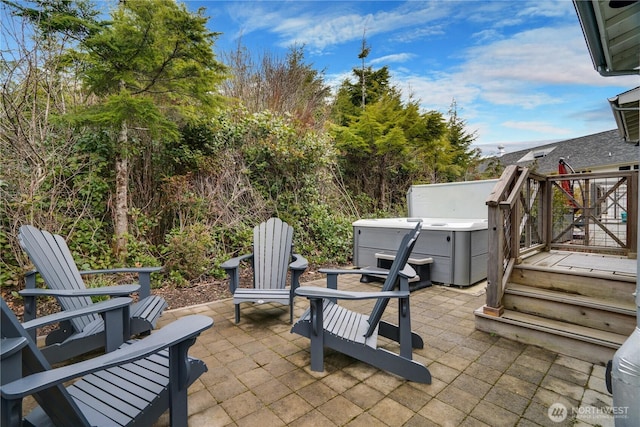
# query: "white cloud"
{"points": [[418, 33], [322, 28], [502, 14], [396, 57], [335, 80], [535, 56], [547, 9], [521, 71], [537, 127], [436, 93], [487, 35]]}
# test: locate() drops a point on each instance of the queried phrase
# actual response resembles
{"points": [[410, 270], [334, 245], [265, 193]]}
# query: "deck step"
{"points": [[609, 287], [589, 344], [623, 307], [610, 316]]}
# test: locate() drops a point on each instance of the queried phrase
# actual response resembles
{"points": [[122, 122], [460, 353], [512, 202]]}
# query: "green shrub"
{"points": [[176, 278], [99, 281], [89, 245], [325, 236], [10, 272], [188, 253]]}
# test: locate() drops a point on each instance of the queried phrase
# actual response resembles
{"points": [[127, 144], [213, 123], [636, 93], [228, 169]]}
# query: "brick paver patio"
{"points": [[259, 373]]}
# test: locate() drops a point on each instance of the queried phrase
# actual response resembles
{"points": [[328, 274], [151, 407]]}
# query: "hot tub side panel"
{"points": [[479, 255], [459, 257], [370, 240]]}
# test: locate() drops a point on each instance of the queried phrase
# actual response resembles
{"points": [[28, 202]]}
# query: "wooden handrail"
{"points": [[501, 204], [502, 186], [521, 218]]}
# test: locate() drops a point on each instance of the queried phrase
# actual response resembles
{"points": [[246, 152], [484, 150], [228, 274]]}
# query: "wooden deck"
{"points": [[619, 267], [578, 298]]}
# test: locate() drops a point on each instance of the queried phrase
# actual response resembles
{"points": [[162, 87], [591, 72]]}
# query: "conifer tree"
{"points": [[151, 68]]}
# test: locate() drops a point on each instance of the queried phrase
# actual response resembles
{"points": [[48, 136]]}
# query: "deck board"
{"points": [[600, 263], [548, 259], [587, 263]]}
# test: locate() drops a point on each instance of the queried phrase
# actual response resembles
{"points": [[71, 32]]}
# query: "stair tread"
{"points": [[623, 307], [558, 327]]}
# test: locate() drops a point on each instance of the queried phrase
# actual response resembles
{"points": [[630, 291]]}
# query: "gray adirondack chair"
{"points": [[328, 324], [53, 261], [272, 259], [134, 384]]}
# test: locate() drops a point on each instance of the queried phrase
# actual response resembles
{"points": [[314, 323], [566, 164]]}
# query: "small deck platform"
{"points": [[585, 263]]}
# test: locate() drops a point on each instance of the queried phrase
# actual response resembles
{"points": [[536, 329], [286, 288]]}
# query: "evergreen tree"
{"points": [[387, 145], [76, 20], [348, 102], [463, 157], [150, 68]]}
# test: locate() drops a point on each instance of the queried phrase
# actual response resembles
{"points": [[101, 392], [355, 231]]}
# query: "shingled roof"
{"points": [[597, 152]]}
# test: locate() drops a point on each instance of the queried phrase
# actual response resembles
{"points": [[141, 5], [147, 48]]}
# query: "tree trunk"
{"points": [[383, 191], [122, 195], [382, 184]]}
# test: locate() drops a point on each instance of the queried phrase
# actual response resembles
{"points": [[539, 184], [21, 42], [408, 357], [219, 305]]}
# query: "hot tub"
{"points": [[457, 246]]}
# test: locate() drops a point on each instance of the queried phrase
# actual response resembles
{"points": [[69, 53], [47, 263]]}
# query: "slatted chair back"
{"points": [[272, 245], [52, 258], [402, 256], [55, 400]]}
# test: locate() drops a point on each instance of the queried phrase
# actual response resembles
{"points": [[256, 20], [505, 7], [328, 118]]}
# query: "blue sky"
{"points": [[519, 71]]}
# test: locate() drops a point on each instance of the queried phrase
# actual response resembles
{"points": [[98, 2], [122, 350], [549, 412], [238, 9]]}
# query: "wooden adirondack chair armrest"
{"points": [[114, 291], [334, 271], [407, 271], [316, 292], [234, 263], [175, 333], [11, 360], [144, 279], [297, 267], [139, 270], [299, 263], [232, 267], [11, 346], [144, 276], [101, 307]]}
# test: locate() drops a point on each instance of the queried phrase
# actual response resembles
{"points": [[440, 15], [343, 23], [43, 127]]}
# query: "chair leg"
{"points": [[11, 413], [291, 313], [237, 306], [317, 336], [178, 382]]}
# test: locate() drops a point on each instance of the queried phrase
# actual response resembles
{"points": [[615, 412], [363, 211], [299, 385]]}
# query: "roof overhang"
{"points": [[626, 110], [612, 31]]}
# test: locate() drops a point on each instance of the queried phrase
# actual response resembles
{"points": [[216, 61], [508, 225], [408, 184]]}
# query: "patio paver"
{"points": [[259, 373]]}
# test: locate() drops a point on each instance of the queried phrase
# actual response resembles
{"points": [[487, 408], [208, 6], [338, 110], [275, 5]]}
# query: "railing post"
{"points": [[632, 214], [514, 237], [588, 213], [495, 268], [547, 212]]}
